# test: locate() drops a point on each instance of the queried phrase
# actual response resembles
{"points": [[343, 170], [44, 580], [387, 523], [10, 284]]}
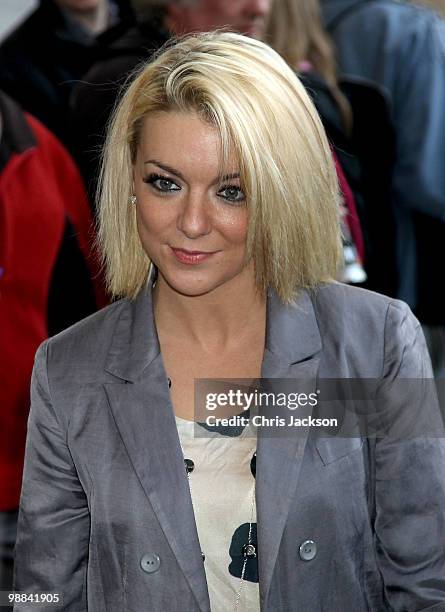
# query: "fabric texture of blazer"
{"points": [[104, 482]]}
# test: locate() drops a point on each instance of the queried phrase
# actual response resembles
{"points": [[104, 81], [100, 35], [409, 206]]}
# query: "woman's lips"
{"points": [[191, 257]]}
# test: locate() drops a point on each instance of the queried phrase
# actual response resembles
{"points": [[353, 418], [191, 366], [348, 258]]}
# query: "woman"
{"points": [[295, 30], [218, 172]]}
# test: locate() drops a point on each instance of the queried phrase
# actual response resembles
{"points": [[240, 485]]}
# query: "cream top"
{"points": [[222, 488]]}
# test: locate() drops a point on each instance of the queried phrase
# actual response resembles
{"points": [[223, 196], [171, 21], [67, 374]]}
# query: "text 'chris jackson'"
{"points": [[263, 421]]}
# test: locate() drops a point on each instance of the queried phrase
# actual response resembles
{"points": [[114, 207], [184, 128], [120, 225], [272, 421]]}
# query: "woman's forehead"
{"points": [[184, 141]]}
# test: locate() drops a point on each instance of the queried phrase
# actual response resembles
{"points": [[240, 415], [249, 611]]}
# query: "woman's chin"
{"points": [[190, 287], [195, 282]]}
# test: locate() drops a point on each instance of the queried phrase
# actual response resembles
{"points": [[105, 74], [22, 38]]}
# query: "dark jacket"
{"points": [[366, 155], [42, 59], [95, 96]]}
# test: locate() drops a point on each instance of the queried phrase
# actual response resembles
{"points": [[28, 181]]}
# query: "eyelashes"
{"points": [[163, 185], [234, 194]]}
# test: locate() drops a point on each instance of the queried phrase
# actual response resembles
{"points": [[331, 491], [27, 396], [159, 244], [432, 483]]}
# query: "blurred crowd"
{"points": [[376, 72]]}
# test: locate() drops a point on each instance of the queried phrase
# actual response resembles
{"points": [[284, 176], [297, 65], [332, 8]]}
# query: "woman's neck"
{"points": [[214, 321]]}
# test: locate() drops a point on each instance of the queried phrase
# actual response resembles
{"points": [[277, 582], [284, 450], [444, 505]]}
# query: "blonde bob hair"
{"points": [[263, 113]]}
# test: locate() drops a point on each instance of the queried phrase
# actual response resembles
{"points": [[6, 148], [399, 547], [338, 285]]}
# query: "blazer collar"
{"points": [[135, 341], [292, 334]]}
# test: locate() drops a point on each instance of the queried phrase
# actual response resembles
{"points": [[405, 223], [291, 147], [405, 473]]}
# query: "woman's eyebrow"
{"points": [[165, 168], [170, 170], [227, 177]]}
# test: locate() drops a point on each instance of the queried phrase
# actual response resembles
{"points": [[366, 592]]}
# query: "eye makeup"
{"points": [[231, 194], [161, 183]]}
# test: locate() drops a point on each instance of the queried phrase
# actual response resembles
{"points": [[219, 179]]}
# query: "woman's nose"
{"points": [[194, 220]]}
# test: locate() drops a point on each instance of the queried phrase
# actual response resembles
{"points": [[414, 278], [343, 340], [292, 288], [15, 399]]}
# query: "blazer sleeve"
{"points": [[410, 472], [54, 521]]}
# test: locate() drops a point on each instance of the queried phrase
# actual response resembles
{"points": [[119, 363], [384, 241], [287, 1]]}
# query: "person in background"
{"points": [[42, 59], [248, 17], [402, 48], [94, 16], [49, 278], [295, 31], [437, 5]]}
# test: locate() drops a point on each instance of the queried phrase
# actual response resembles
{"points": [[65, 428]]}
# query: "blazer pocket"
{"points": [[333, 449]]}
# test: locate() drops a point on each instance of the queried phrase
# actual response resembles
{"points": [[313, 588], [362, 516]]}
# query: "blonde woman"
{"points": [[295, 30], [218, 176]]}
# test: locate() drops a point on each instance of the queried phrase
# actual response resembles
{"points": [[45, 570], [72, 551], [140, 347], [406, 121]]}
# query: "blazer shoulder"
{"points": [[359, 306], [362, 328], [79, 352], [336, 297]]}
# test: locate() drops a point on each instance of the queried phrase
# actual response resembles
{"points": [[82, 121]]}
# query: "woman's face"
{"points": [[192, 225]]}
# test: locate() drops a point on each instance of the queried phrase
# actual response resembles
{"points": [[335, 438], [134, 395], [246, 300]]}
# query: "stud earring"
{"points": [[132, 199]]}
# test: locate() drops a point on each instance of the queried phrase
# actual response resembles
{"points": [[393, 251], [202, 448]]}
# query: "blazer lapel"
{"points": [[292, 351], [143, 413]]}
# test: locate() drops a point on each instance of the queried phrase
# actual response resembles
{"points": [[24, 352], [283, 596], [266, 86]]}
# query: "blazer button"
{"points": [[308, 550], [150, 563]]}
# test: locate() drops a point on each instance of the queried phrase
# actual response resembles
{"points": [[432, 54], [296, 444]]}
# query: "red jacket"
{"points": [[40, 190]]}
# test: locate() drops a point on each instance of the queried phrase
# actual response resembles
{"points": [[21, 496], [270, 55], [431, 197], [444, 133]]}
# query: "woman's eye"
{"points": [[232, 193], [162, 183]]}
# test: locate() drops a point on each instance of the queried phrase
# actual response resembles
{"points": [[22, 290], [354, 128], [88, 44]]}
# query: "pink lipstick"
{"points": [[191, 257]]}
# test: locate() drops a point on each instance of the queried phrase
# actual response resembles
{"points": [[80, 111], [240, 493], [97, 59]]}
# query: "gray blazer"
{"points": [[104, 483]]}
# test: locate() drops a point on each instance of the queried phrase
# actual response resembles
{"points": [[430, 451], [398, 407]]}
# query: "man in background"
{"points": [[43, 58]]}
